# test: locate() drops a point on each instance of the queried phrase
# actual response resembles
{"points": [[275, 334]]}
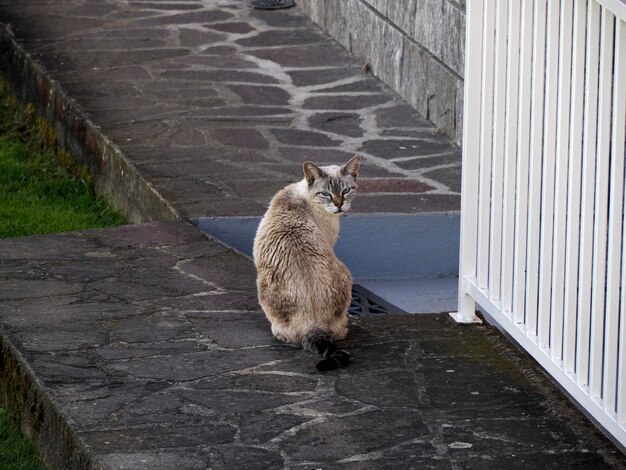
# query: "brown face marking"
{"points": [[335, 185]]}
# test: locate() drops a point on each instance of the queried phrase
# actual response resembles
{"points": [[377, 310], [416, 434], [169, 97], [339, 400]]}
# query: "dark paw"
{"points": [[326, 364], [342, 357], [337, 359]]}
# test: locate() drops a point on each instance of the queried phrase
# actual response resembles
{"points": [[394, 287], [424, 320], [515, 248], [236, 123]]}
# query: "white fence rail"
{"points": [[543, 240]]}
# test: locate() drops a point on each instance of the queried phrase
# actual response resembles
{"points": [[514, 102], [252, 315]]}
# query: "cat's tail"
{"points": [[318, 341]]}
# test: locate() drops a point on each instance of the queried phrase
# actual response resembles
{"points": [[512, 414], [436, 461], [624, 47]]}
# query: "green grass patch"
{"points": [[37, 194], [16, 453]]}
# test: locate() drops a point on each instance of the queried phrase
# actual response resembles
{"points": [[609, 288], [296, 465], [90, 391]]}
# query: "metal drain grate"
{"points": [[366, 303], [272, 4]]}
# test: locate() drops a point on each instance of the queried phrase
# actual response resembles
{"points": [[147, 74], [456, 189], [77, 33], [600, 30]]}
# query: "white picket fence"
{"points": [[543, 243]]}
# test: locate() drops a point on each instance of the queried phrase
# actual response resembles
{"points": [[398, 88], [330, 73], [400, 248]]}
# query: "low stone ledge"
{"points": [[39, 418], [77, 134]]}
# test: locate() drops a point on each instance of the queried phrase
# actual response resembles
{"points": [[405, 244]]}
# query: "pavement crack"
{"points": [[296, 429], [379, 454], [179, 267]]}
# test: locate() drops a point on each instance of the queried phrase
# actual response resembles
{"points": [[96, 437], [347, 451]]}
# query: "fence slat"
{"points": [[588, 194], [614, 256], [486, 139], [510, 153], [534, 165], [619, 104], [523, 138], [547, 188], [498, 150], [560, 190], [601, 205]]}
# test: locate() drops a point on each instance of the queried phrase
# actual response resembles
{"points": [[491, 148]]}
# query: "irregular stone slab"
{"points": [[218, 76], [317, 155], [150, 438], [241, 137], [365, 433], [304, 138], [356, 86], [238, 27], [225, 457], [124, 350], [344, 102], [284, 19], [405, 148], [193, 37], [232, 329], [152, 460], [209, 16], [213, 61], [449, 176], [323, 76], [399, 116], [303, 385], [337, 123], [281, 38], [194, 366], [302, 57], [425, 202], [24, 289], [389, 185], [262, 95], [169, 6]]}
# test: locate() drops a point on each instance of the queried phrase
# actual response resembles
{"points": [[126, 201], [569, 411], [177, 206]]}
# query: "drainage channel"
{"points": [[367, 304], [401, 263]]}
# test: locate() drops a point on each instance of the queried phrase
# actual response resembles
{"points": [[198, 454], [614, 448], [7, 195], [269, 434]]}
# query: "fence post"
{"points": [[471, 149]]}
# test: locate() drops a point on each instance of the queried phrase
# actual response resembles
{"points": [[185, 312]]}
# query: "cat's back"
{"points": [[289, 204], [287, 228]]}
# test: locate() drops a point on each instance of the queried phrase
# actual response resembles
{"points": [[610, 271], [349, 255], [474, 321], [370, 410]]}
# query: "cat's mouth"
{"points": [[337, 210]]}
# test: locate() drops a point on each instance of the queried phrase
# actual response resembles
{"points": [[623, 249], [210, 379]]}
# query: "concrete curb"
{"points": [[76, 133], [39, 418]]}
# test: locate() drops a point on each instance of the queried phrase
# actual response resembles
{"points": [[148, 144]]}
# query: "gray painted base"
{"points": [[409, 260], [372, 246]]}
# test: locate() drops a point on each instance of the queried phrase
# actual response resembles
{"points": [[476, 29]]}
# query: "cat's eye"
{"points": [[346, 191], [324, 194]]}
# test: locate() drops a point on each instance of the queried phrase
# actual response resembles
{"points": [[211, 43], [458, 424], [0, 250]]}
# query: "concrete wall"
{"points": [[415, 46]]}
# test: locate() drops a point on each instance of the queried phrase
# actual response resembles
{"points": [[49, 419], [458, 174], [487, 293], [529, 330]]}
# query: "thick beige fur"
{"points": [[303, 287]]}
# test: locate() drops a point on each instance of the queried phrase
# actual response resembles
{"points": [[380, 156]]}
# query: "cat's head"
{"points": [[333, 188]]}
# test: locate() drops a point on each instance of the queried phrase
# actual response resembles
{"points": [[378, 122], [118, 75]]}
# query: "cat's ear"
{"points": [[312, 171], [352, 167]]}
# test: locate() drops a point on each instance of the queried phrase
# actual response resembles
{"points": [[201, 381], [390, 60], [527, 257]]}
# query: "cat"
{"points": [[303, 288]]}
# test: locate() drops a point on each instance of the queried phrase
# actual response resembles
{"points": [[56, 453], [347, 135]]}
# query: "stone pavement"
{"points": [[143, 347], [217, 105]]}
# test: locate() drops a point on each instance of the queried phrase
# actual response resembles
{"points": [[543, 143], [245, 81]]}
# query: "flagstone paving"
{"points": [[217, 105], [143, 347]]}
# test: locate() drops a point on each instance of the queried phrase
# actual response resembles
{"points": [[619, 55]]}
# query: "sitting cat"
{"points": [[303, 288]]}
